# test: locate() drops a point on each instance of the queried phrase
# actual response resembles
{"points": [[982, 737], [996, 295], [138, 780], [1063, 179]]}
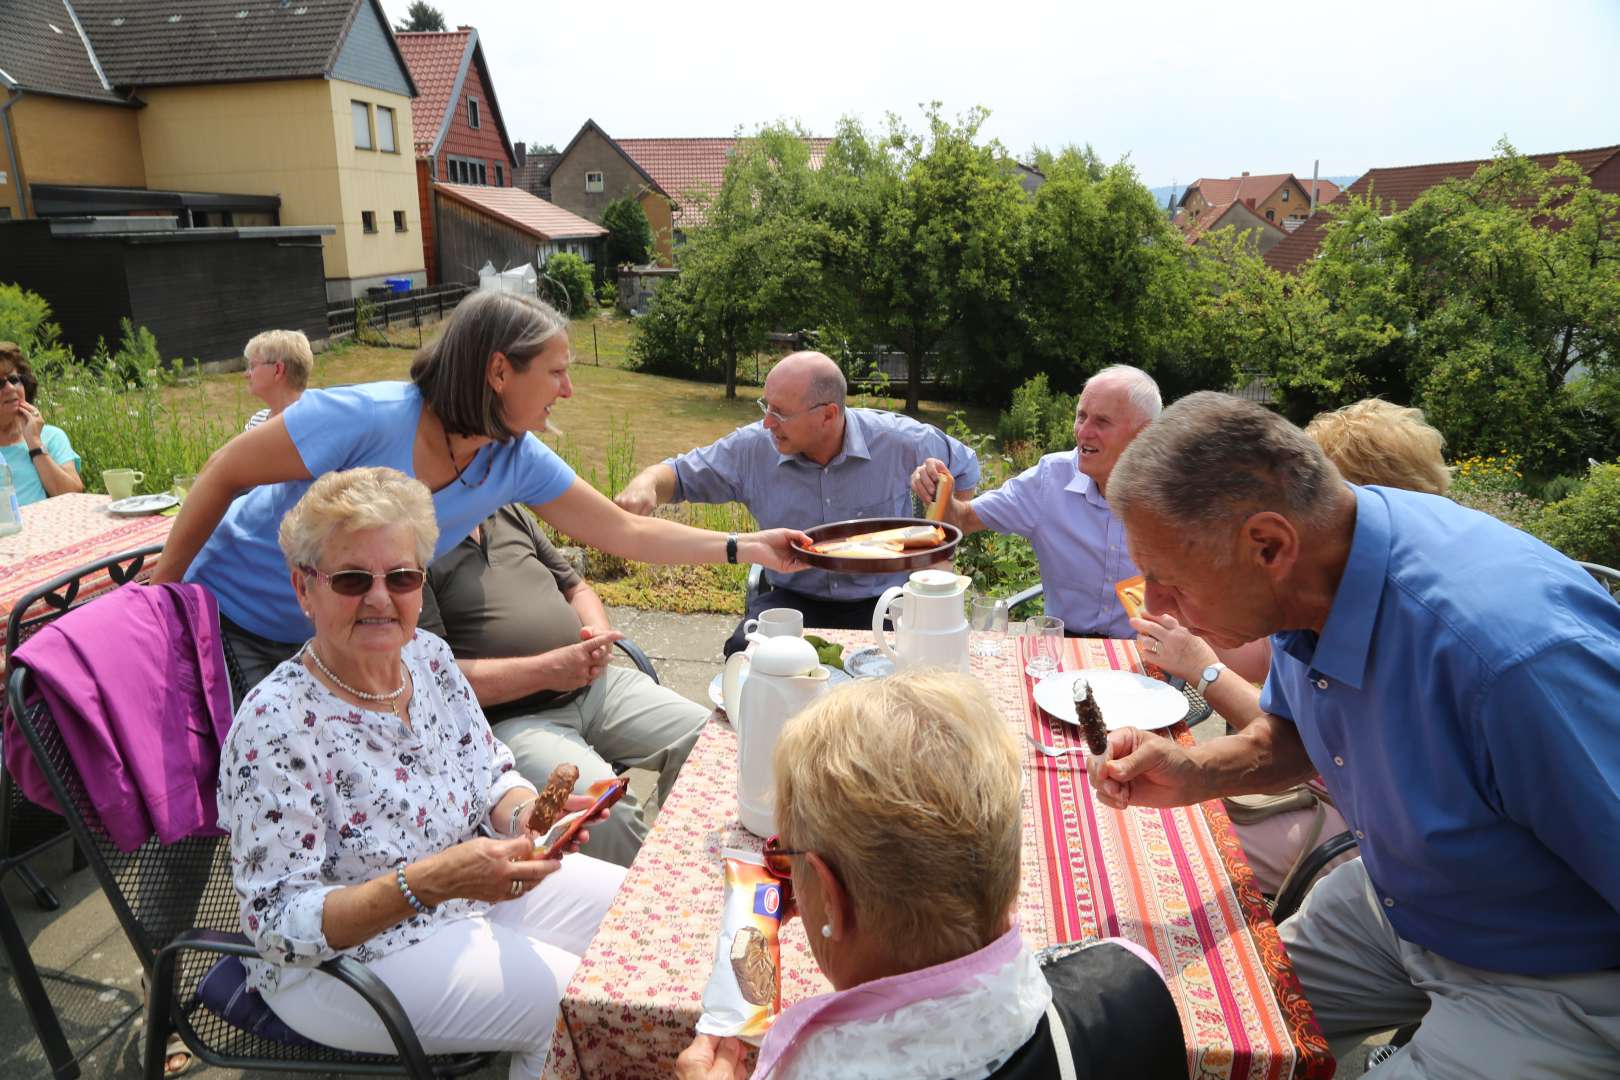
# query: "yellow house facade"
{"points": [[308, 104]]}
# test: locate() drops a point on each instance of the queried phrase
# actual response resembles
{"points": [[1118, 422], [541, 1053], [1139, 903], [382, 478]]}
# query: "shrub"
{"points": [[1586, 525], [565, 283], [25, 318], [999, 564], [1038, 416], [668, 341], [607, 293], [630, 237]]}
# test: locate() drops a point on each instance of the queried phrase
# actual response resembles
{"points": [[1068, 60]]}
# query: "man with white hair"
{"points": [[1059, 505], [811, 461], [1452, 680]]}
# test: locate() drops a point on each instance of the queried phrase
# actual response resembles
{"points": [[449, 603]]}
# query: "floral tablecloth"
{"points": [[1174, 881], [64, 533]]}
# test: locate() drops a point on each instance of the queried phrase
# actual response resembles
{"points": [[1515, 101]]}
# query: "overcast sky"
{"points": [[1182, 88]]}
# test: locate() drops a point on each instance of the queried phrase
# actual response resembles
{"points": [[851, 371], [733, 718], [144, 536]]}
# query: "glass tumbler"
{"points": [[989, 624], [1045, 634]]}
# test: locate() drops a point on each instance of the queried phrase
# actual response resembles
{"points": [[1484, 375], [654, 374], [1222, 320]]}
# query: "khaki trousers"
{"points": [[1361, 979]]}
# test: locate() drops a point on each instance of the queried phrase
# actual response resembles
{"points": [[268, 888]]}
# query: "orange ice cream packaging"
{"points": [[1132, 594], [744, 992]]}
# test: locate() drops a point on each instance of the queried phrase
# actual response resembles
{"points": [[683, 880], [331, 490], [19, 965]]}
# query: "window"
{"points": [[1285, 194], [399, 221], [472, 112], [385, 130], [593, 181], [368, 220], [1271, 215], [464, 171], [500, 175], [5, 213], [483, 174], [362, 125]]}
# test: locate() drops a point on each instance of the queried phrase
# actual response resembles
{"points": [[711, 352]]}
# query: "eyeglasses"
{"points": [[13, 379], [403, 579], [781, 417], [778, 859]]}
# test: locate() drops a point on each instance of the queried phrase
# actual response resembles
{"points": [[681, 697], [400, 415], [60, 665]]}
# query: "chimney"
{"points": [[1248, 200], [1316, 186], [1245, 172], [519, 152]]}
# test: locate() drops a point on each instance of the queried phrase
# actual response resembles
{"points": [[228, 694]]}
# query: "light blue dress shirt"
{"points": [[870, 477], [24, 477], [347, 428], [1079, 542], [1463, 706]]}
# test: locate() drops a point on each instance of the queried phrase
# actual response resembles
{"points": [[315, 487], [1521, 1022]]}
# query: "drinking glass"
{"points": [[989, 618], [1045, 634], [182, 485]]}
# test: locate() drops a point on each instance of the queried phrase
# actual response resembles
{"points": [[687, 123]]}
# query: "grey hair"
{"points": [[452, 370], [1140, 389], [827, 386], [1211, 460], [355, 499]]}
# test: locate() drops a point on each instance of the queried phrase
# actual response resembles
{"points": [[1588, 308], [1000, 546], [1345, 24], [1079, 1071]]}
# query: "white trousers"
{"points": [[492, 982]]}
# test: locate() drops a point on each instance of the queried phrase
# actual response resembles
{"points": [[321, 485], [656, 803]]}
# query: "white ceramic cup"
{"points": [[120, 483], [776, 622]]}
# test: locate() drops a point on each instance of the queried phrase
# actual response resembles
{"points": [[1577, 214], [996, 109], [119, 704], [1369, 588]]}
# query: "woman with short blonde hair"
{"points": [[1373, 441], [279, 363], [372, 813], [899, 802]]}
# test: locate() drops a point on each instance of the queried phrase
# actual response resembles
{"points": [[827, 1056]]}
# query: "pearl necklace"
{"points": [[392, 699]]}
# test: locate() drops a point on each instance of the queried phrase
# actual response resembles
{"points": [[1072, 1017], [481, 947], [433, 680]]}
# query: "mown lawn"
{"points": [[618, 422]]}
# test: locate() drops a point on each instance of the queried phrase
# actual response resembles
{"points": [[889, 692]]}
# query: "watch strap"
{"points": [[38, 451], [731, 548], [1210, 674]]}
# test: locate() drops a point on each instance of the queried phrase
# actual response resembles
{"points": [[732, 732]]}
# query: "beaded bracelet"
{"points": [[410, 897]]}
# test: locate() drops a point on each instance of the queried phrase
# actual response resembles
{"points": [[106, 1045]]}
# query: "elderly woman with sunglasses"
{"points": [[900, 807], [372, 811], [463, 425], [41, 459]]}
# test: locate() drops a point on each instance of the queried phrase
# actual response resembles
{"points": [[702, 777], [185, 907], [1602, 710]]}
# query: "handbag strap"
{"points": [[1060, 1042]]}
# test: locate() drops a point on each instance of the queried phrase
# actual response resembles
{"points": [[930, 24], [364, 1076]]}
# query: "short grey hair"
{"points": [[1211, 460], [452, 371], [1140, 389], [827, 387], [352, 500]]}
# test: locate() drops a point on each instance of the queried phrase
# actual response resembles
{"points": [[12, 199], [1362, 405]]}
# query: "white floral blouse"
{"points": [[319, 794]]}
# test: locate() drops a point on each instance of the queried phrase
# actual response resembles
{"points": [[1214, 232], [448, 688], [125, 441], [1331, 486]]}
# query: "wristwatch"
{"points": [[1211, 673], [36, 451], [731, 548]]}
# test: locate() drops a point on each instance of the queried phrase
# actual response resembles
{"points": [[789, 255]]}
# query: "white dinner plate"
{"points": [[835, 677], [136, 505], [1126, 698]]}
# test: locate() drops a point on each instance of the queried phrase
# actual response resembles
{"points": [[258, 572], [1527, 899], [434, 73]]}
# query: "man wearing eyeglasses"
{"points": [[810, 461]]}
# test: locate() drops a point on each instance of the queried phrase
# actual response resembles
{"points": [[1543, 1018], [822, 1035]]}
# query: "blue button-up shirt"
{"points": [[1079, 542], [870, 477], [1461, 704]]}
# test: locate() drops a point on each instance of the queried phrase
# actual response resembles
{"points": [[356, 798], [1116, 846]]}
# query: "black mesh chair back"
{"points": [[177, 907]]}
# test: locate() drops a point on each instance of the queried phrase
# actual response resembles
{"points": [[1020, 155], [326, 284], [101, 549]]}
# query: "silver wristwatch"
{"points": [[1211, 673]]}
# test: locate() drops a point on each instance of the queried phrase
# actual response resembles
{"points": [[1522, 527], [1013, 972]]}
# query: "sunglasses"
{"points": [[779, 860], [14, 380], [402, 579]]}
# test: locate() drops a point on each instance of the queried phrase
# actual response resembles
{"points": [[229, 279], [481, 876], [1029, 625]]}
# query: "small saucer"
{"points": [[868, 663]]}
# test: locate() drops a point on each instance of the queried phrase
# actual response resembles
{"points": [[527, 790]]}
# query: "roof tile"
{"points": [[41, 50], [434, 59], [691, 170], [521, 210]]}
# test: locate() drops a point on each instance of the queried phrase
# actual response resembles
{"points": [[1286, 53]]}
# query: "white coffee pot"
{"points": [[930, 625], [761, 692]]}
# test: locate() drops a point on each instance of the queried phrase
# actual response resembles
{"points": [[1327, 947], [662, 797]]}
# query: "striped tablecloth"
{"points": [[1173, 881], [64, 533]]}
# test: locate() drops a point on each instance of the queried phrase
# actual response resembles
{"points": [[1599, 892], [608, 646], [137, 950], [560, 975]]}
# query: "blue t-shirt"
{"points": [[1460, 705], [24, 477], [348, 428]]}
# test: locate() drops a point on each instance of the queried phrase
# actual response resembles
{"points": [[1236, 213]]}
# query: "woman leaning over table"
{"points": [[899, 803], [372, 811], [463, 425], [41, 459]]}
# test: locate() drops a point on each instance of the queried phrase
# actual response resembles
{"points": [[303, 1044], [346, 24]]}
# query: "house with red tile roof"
{"points": [[460, 135], [507, 226], [1279, 198], [1263, 235], [1398, 187], [673, 179]]}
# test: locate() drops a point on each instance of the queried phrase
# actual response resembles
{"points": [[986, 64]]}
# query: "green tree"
{"points": [[630, 237], [421, 15], [565, 281], [934, 227]]}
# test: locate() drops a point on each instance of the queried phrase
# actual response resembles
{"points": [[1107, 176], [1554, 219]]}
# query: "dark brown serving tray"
{"points": [[920, 559]]}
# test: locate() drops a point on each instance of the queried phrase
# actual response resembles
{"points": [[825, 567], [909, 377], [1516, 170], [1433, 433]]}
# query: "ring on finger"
{"points": [[517, 888]]}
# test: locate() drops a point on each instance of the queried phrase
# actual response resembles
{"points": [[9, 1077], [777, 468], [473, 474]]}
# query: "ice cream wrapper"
{"points": [[744, 992], [1132, 594]]}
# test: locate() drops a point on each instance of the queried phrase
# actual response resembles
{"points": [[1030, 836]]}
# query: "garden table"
{"points": [[64, 533], [1173, 881]]}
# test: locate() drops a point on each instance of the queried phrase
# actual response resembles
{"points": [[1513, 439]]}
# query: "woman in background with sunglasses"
{"points": [[372, 811], [900, 807], [41, 459], [463, 425]]}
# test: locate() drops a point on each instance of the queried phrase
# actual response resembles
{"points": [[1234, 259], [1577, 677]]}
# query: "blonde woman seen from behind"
{"points": [[901, 824]]}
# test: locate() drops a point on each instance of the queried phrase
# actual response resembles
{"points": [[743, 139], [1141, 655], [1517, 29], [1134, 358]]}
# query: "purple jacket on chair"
{"points": [[136, 682]]}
